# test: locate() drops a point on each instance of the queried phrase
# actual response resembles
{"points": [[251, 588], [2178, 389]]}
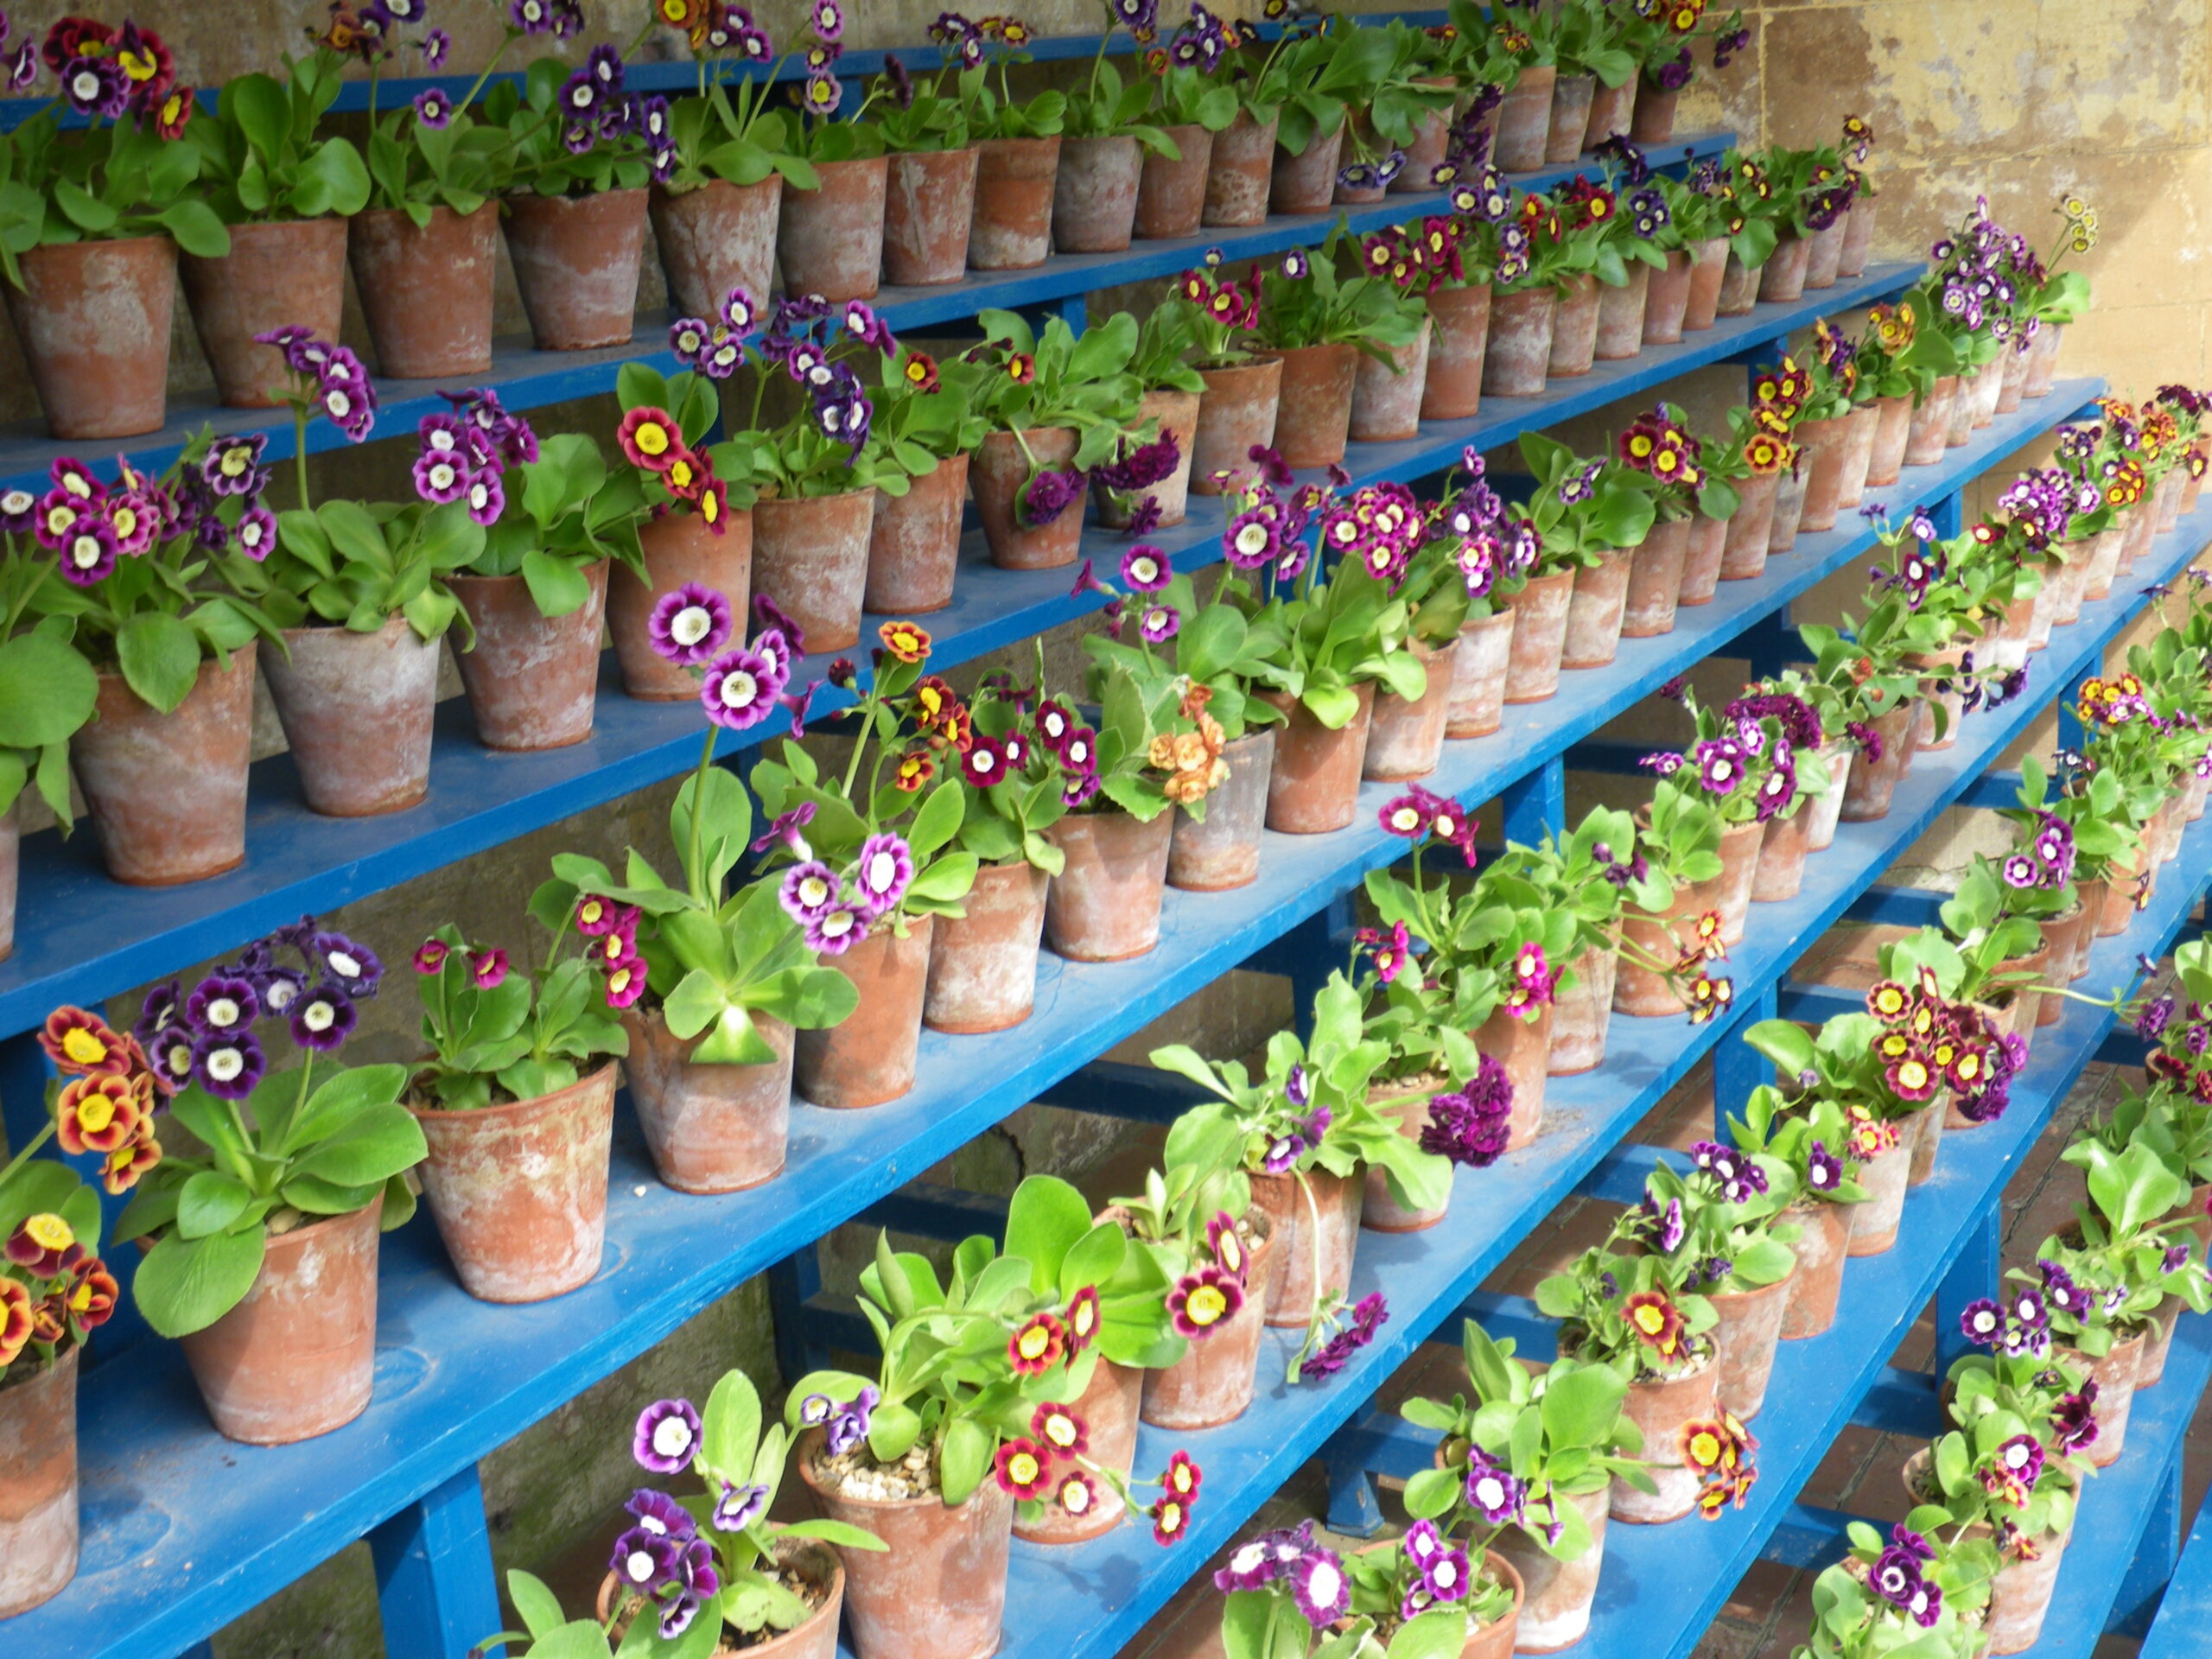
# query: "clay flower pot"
{"points": [[1108, 1408], [532, 680], [1012, 226], [1172, 193], [1781, 870], [1479, 676], [1961, 429], [1581, 1013], [1223, 851], [2012, 383], [1095, 194], [1826, 443], [1667, 298], [1892, 432], [93, 318], [1739, 288], [1824, 1231], [829, 240], [576, 260], [1620, 315], [1782, 279], [984, 965], [356, 710], [870, 1058], [1523, 1047], [1740, 861], [1789, 507], [1405, 740], [1594, 611], [1661, 1406], [1386, 397], [1406, 1104], [1867, 790], [1861, 427], [1522, 131], [1611, 111], [1458, 341], [813, 1637], [426, 291], [1177, 414], [1520, 347], [1313, 784], [1236, 412], [1305, 183], [1747, 1334], [1654, 113], [929, 203], [1540, 611], [1314, 414], [519, 1191], [1709, 540], [710, 1129], [2042, 360], [1211, 1385], [1923, 1133], [1874, 1224], [913, 547], [1654, 580], [1318, 1239], [1240, 172], [297, 1357], [718, 236], [284, 271], [38, 1482], [2115, 1374], [1858, 238], [1702, 305], [1744, 551], [1570, 118], [167, 792], [1928, 436], [679, 548], [1424, 151], [1558, 1595], [1824, 262], [999, 474], [810, 554], [1574, 328], [1104, 905]]}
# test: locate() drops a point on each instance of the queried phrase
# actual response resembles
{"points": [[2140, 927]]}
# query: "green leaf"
{"points": [[556, 584], [159, 657], [337, 1101], [730, 1429], [377, 1143], [963, 1458], [47, 690], [195, 227], [1044, 1218], [186, 1285], [210, 1202], [85, 211], [938, 821]]}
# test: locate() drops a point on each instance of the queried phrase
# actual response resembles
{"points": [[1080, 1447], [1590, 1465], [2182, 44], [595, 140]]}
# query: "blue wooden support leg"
{"points": [[1948, 514], [1535, 805], [1352, 1508], [2140, 1591], [1772, 644], [433, 1573], [1977, 1271], [1313, 954], [792, 1282], [1738, 1068]]}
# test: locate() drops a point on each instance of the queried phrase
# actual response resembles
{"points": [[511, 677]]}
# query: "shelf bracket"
{"points": [[1977, 1271], [433, 1573]]}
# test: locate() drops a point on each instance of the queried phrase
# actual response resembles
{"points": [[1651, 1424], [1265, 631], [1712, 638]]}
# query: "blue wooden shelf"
{"points": [[2186, 1612]]}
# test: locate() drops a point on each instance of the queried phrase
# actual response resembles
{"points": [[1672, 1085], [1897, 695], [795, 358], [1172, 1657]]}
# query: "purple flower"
{"points": [[1145, 569], [222, 1003], [2066, 1296], [1159, 623], [790, 829], [644, 1558], [1318, 1585], [256, 533], [89, 550], [739, 688], [95, 86], [435, 46], [354, 966], [1982, 1322], [739, 1507], [486, 497], [1049, 494], [1823, 1169], [789, 638], [808, 891], [1895, 1576], [2074, 1419], [440, 476], [1283, 1153], [233, 466], [1252, 539], [228, 1064], [1494, 1489], [433, 109], [836, 930], [322, 1019], [883, 871], [667, 1436], [690, 624]]}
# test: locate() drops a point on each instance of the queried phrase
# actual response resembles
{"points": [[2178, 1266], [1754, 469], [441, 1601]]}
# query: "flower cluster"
{"points": [[1738, 1177], [464, 456], [1927, 1045], [1049, 1464], [1897, 1577], [1418, 255], [91, 526], [53, 1290], [1469, 1124], [1268, 517], [1493, 540], [107, 71], [651, 440], [660, 1556], [1661, 447], [2047, 862], [206, 1036], [843, 1427], [1132, 473], [1369, 1314], [595, 107], [836, 909], [327, 378], [1978, 271], [1720, 1450], [106, 1107], [1203, 1299], [1314, 1573], [1380, 525], [1423, 814]]}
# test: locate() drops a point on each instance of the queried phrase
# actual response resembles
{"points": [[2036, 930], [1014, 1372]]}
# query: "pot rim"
{"points": [[503, 1110]]}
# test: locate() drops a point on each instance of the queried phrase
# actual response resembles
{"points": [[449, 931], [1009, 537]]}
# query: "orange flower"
{"points": [[80, 1043], [103, 1113], [1655, 1320], [125, 1166], [915, 768], [905, 640], [16, 1322], [1021, 368]]}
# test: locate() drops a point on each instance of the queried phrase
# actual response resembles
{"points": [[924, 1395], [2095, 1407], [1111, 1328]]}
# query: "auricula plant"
{"points": [[497, 1035]]}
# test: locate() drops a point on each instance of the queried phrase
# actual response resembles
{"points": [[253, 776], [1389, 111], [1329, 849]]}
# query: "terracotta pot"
{"points": [[1223, 851], [2042, 360], [1574, 329], [1104, 906], [2070, 583], [1739, 288], [1582, 1013], [1313, 783], [678, 549], [1781, 870], [1522, 133], [813, 1637], [1824, 811], [1458, 345], [93, 318], [1620, 315], [811, 556], [1555, 1610], [999, 474], [1789, 508], [1494, 1640], [2192, 488], [287, 270], [1318, 1238], [1236, 412], [1540, 611], [1240, 172], [913, 547], [1988, 387], [1655, 114], [1654, 580], [2168, 497], [297, 1357], [1824, 1232], [1660, 1408], [1936, 662], [1519, 350], [1860, 428], [2121, 882], [576, 260], [167, 792], [1108, 1407], [1095, 194], [829, 240], [2006, 644], [2137, 547], [1824, 262], [710, 1129], [2019, 1596], [426, 291], [1523, 1047], [938, 1591], [1927, 438], [1479, 676], [1012, 229], [1858, 238], [1305, 183], [1177, 413], [984, 965], [929, 203], [870, 1058], [1405, 739], [356, 710], [38, 1482], [2012, 381], [1406, 1104], [1709, 271], [1740, 862], [1639, 991], [1595, 608], [1826, 445], [1570, 117], [1424, 150], [1667, 298], [1782, 279], [2094, 896], [2114, 1375], [10, 871], [1749, 1330], [519, 1191], [1960, 430], [532, 680], [718, 236], [1611, 110], [1743, 554], [1924, 1135], [1213, 1383], [1867, 791], [1313, 416], [1892, 433], [1708, 541], [1386, 397], [1874, 1224], [1172, 193]]}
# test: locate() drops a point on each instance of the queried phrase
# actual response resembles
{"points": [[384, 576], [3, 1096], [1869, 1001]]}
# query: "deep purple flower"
{"points": [[883, 871], [769, 618], [1145, 569], [1982, 1322], [433, 108], [642, 1558], [789, 828], [739, 1507], [690, 624], [228, 1064], [222, 1003], [232, 465], [1159, 623], [667, 1436], [808, 891], [256, 533], [323, 1019], [836, 930], [1494, 1489], [354, 966], [440, 476], [435, 46], [1318, 1585], [739, 688], [1049, 494], [2074, 1420], [2029, 1309]]}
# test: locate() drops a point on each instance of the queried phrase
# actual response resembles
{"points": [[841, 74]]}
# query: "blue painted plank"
{"points": [[2186, 1611], [1809, 1536], [1900, 907]]}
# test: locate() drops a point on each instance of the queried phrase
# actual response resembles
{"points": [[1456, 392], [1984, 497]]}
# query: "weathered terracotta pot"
{"points": [[929, 203], [1739, 288], [1539, 637], [718, 236], [1594, 610], [2115, 1374], [1108, 1407], [1104, 906], [1211, 1385], [1425, 149], [1660, 1406], [1172, 193], [1823, 1235], [1459, 342], [1240, 172], [1667, 298], [1611, 111], [1314, 414], [297, 1357], [710, 1129], [983, 965], [813, 1637], [1406, 739], [1840, 754], [1748, 1333], [999, 474], [1867, 790], [1524, 123], [1782, 279], [1177, 413], [1386, 397], [519, 1191], [1961, 429], [1305, 183], [1223, 851], [1556, 1608], [1570, 118], [1318, 1238], [576, 260], [1574, 329], [1654, 580], [1934, 663], [1988, 388], [2156, 1349], [1827, 444], [1654, 113], [167, 792], [1874, 1224], [1313, 783], [1925, 1135], [1707, 273], [1926, 437], [1892, 432], [2192, 489], [913, 547], [284, 271], [1708, 541], [1789, 507], [1857, 236], [11, 829], [2121, 880], [356, 710], [811, 556], [1095, 194], [38, 1482], [2095, 896], [1824, 262], [1523, 1047], [1235, 412], [1781, 870], [1012, 228], [870, 1058], [1861, 427], [1406, 1104], [1479, 676], [938, 1591], [2019, 1596], [2137, 547], [1582, 1013], [1740, 862], [1743, 553], [1519, 352], [2042, 360], [829, 240], [2167, 499], [93, 319], [679, 548], [532, 680], [426, 292], [1620, 315]]}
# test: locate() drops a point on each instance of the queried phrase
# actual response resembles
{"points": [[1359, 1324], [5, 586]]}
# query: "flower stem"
{"points": [[691, 869], [30, 1146], [300, 450]]}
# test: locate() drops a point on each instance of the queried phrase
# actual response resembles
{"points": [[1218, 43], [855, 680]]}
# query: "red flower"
{"points": [[1076, 1494], [92, 1294], [43, 1245], [79, 1044], [1655, 1320], [15, 1320], [1060, 1429], [651, 438], [1037, 1347], [1182, 1477], [1082, 1320], [984, 763], [126, 1166], [1171, 1519], [1023, 1468]]}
